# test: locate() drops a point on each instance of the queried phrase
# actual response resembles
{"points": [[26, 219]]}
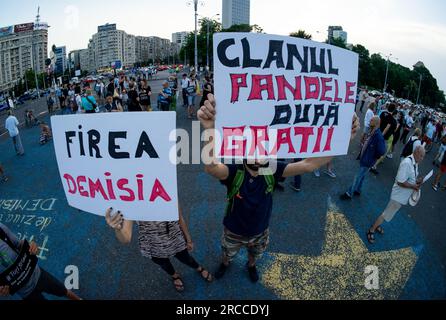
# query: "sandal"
{"points": [[207, 278], [178, 287], [380, 230], [371, 237]]}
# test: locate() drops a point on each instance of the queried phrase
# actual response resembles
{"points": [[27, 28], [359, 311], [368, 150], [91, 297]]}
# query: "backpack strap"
{"points": [[270, 181], [234, 190]]}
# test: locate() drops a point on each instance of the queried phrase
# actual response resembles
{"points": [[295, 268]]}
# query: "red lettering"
{"points": [[329, 138], [309, 83], [237, 81], [122, 185], [159, 191], [284, 137], [258, 140], [337, 98], [317, 147], [95, 187], [110, 190], [70, 183], [305, 132], [236, 147], [349, 93], [325, 89], [283, 84], [79, 180], [258, 88]]}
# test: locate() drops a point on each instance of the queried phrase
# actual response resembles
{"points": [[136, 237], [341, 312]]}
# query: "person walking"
{"points": [[11, 124], [374, 147], [406, 183]]}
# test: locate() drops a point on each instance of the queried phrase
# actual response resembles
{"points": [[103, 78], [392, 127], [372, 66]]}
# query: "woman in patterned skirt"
{"points": [[160, 241]]}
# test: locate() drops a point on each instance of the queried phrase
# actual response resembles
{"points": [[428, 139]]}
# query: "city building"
{"points": [[340, 34], [84, 60], [336, 32], [74, 60], [180, 38], [22, 47], [235, 12], [58, 56], [142, 49]]}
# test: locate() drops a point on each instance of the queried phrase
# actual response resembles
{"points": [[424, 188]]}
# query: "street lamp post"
{"points": [[387, 72], [196, 35], [208, 22], [419, 88]]}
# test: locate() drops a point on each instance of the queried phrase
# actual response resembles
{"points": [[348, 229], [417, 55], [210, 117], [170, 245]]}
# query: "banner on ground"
{"points": [[120, 161], [282, 97]]}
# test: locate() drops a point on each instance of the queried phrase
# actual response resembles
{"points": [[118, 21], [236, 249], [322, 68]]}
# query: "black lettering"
{"points": [[318, 112], [146, 145], [68, 136], [282, 115], [331, 70], [318, 67], [94, 137], [221, 52], [247, 61], [302, 118], [294, 53], [81, 142], [275, 54], [112, 146], [332, 113]]}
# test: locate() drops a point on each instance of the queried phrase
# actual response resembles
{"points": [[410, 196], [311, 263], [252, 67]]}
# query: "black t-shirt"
{"points": [[65, 92], [133, 102], [111, 107], [443, 161], [386, 119], [144, 98], [251, 212], [111, 87]]}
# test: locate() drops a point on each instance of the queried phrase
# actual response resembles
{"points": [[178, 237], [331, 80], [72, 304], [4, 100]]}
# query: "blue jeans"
{"points": [[359, 181], [18, 144]]}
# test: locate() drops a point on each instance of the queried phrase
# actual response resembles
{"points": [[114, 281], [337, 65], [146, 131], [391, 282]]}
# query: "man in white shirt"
{"points": [[368, 117], [363, 95], [11, 124], [407, 181], [184, 84]]}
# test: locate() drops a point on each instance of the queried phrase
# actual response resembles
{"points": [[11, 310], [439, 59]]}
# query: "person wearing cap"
{"points": [[407, 183]]}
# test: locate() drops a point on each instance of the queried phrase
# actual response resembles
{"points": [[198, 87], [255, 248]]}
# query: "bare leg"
{"points": [[72, 296], [378, 222]]}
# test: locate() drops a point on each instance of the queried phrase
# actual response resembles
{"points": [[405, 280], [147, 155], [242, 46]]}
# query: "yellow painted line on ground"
{"points": [[339, 272]]}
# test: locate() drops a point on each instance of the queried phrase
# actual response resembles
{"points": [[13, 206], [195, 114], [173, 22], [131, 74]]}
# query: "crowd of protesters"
{"points": [[250, 186]]}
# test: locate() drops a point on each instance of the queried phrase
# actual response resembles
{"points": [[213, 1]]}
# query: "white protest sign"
{"points": [[118, 160], [282, 97]]}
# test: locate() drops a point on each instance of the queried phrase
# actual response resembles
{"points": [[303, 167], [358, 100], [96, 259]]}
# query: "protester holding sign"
{"points": [[250, 189], [160, 241], [407, 184], [26, 278]]}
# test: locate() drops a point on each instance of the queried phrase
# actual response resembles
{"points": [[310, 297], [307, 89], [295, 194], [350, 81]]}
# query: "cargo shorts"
{"points": [[232, 243]]}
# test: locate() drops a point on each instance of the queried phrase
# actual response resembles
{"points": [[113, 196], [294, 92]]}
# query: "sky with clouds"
{"points": [[411, 30]]}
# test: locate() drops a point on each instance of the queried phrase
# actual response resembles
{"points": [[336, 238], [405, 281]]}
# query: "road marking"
{"points": [[338, 273]]}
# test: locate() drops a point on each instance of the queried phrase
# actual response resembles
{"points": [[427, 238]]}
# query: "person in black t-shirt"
{"points": [[388, 127], [397, 134], [133, 102], [249, 209], [144, 96]]}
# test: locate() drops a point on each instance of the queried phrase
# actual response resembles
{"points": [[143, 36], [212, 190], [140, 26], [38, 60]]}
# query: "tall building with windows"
{"points": [[336, 32], [22, 47], [179, 38], [58, 58], [235, 12]]}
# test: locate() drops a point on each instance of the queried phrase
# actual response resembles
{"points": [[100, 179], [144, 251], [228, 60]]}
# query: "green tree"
{"points": [[301, 34], [338, 42]]}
